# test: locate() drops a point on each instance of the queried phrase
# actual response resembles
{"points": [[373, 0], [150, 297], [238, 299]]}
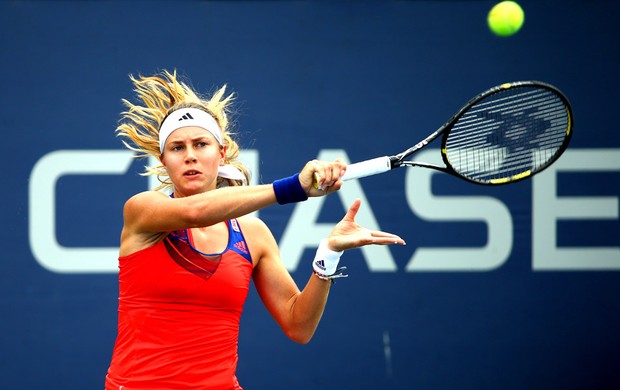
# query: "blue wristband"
{"points": [[289, 190]]}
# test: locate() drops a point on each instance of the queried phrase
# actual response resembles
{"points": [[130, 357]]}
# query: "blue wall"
{"points": [[524, 293]]}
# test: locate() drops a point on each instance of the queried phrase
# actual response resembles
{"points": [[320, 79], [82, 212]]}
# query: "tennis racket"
{"points": [[503, 135]]}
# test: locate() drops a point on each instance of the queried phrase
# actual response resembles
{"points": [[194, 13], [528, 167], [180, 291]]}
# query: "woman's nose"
{"points": [[190, 156]]}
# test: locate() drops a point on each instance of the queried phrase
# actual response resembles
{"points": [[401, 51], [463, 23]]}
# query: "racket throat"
{"points": [[395, 162]]}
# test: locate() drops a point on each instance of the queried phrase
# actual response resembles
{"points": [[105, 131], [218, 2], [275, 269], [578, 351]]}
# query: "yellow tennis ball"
{"points": [[505, 18]]}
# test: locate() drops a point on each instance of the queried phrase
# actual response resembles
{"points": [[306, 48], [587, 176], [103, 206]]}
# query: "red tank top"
{"points": [[178, 315]]}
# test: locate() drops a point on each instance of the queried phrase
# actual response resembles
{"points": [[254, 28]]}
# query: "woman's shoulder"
{"points": [[256, 231], [258, 236], [253, 224]]}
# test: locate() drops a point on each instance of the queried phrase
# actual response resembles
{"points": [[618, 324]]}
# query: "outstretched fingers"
{"points": [[383, 238]]}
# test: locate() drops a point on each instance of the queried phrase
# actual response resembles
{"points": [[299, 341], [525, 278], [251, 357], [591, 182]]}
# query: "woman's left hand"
{"points": [[347, 234]]}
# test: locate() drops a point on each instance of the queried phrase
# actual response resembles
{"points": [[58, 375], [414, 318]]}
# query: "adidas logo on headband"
{"points": [[186, 116]]}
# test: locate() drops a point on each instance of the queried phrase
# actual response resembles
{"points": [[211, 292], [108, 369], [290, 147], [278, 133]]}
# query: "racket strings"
{"points": [[513, 133]]}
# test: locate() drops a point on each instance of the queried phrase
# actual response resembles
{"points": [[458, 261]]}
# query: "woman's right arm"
{"points": [[150, 214], [154, 212]]}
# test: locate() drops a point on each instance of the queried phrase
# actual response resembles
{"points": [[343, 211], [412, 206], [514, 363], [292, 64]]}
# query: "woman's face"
{"points": [[192, 157]]}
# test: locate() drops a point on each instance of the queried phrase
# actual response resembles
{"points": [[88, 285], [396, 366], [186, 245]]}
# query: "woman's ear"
{"points": [[223, 155], [161, 160]]}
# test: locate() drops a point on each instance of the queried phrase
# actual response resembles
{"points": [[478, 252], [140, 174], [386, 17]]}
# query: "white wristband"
{"points": [[326, 260]]}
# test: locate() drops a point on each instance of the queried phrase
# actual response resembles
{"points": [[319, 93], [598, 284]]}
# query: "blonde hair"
{"points": [[160, 95]]}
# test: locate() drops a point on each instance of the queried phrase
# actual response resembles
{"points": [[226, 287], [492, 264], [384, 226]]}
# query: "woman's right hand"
{"points": [[320, 178]]}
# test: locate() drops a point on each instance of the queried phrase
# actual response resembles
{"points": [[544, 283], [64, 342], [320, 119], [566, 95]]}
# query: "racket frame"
{"points": [[399, 159]]}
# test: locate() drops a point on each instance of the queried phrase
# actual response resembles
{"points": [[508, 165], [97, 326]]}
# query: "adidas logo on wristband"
{"points": [[325, 261], [320, 264]]}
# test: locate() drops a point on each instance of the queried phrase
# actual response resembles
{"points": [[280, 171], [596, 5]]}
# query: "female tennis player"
{"points": [[186, 259]]}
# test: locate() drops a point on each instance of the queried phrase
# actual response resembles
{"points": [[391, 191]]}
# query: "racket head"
{"points": [[508, 133]]}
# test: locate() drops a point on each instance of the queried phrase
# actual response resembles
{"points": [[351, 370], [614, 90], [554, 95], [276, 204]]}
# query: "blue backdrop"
{"points": [[513, 287]]}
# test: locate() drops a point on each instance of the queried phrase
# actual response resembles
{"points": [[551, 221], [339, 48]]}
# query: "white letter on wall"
{"points": [[547, 209], [42, 209], [457, 208]]}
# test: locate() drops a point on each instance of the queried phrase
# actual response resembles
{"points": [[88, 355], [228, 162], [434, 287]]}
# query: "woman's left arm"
{"points": [[298, 312]]}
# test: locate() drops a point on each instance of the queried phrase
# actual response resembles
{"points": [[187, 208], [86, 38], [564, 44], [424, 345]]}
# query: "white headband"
{"points": [[184, 117]]}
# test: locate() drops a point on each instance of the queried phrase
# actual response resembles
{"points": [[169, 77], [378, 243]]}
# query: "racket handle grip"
{"points": [[367, 168], [362, 169]]}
